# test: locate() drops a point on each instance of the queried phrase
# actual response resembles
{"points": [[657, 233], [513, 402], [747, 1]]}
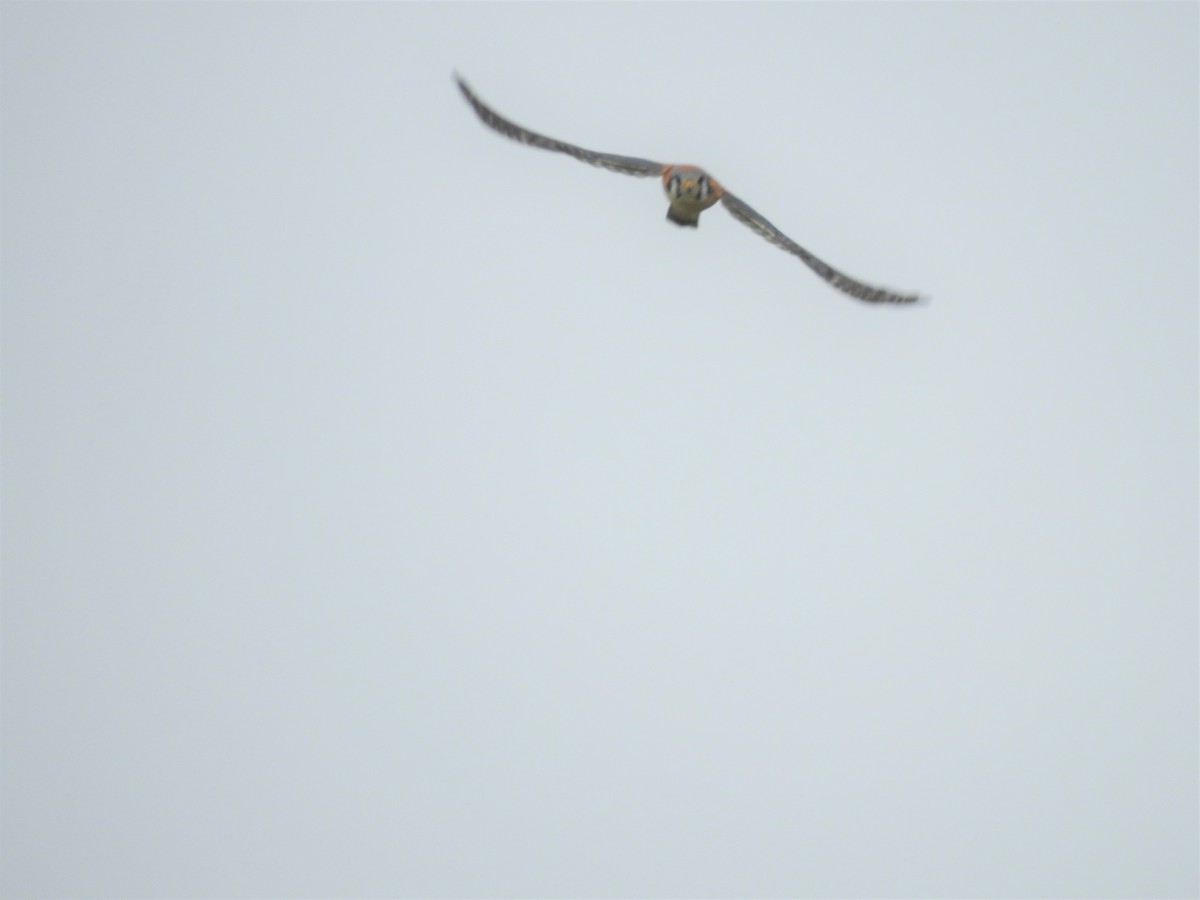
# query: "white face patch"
{"points": [[690, 190]]}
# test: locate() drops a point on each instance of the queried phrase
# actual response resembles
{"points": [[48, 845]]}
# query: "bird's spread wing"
{"points": [[628, 165], [843, 283]]}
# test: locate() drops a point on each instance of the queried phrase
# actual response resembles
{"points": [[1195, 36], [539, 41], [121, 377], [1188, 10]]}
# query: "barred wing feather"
{"points": [[744, 213], [626, 165]]}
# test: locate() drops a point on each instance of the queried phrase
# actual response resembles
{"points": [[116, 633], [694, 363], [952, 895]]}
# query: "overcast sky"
{"points": [[390, 509]]}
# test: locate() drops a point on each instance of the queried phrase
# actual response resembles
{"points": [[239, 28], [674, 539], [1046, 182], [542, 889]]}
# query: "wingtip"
{"points": [[890, 296]]}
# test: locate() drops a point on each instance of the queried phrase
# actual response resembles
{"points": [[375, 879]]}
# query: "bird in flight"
{"points": [[691, 190]]}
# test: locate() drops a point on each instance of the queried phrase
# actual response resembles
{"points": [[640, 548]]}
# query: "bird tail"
{"points": [[683, 219]]}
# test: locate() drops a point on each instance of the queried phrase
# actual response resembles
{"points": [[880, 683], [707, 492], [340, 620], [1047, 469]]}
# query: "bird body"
{"points": [[690, 190]]}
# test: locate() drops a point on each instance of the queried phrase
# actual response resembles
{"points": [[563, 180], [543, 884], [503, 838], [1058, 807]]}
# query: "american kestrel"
{"points": [[691, 190]]}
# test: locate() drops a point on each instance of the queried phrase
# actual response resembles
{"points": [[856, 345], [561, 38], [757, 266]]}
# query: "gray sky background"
{"points": [[394, 510]]}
